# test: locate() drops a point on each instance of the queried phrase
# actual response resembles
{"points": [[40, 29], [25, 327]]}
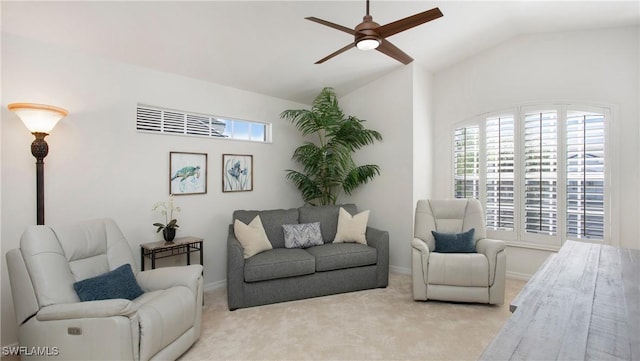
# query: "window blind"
{"points": [[467, 162], [540, 172], [585, 174], [500, 148]]}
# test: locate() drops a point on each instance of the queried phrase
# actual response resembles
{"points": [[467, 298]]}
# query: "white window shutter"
{"points": [[540, 172], [585, 175], [467, 162], [500, 152]]}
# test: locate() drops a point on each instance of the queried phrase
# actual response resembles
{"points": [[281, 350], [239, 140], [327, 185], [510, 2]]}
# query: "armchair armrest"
{"points": [[420, 245], [167, 277], [89, 309], [491, 248]]}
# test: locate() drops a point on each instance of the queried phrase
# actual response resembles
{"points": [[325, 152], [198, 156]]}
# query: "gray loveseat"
{"points": [[285, 274]]}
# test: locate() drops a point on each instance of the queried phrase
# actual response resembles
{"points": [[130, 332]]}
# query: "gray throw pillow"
{"points": [[302, 235]]}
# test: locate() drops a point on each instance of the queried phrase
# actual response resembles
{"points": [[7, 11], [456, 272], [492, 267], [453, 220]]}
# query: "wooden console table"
{"points": [[162, 249], [582, 304]]}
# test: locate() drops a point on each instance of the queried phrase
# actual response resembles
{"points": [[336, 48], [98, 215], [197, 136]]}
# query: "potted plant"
{"points": [[169, 227], [328, 166]]}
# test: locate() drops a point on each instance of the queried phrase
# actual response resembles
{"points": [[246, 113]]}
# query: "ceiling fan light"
{"points": [[368, 44]]}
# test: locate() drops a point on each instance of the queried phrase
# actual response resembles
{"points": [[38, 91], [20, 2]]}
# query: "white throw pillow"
{"points": [[252, 237], [351, 228]]}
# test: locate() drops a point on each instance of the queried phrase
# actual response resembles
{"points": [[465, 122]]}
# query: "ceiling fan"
{"points": [[371, 35]]}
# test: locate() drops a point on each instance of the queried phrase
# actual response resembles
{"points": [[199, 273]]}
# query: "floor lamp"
{"points": [[40, 120]]}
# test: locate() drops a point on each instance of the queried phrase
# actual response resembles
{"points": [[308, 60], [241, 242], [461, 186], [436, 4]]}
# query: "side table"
{"points": [[162, 249]]}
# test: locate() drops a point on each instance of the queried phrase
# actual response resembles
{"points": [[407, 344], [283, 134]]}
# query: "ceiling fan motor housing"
{"points": [[366, 30]]}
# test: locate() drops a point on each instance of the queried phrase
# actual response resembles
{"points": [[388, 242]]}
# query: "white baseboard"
{"points": [[400, 270], [215, 285], [518, 276]]}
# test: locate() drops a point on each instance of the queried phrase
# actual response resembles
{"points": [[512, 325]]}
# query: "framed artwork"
{"points": [[237, 172], [187, 173]]}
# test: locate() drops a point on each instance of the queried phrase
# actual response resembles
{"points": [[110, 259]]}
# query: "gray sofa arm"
{"points": [[380, 241], [89, 309], [235, 271]]}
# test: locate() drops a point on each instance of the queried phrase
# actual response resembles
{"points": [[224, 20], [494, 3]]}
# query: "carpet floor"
{"points": [[379, 324]]}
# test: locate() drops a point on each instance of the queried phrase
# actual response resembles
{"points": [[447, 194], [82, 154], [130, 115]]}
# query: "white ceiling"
{"points": [[269, 48]]}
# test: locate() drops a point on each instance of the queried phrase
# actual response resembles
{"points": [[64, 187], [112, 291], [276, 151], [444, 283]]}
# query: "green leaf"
{"points": [[359, 176], [328, 167]]}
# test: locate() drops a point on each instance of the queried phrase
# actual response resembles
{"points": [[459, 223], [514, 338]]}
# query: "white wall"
{"points": [[596, 66], [423, 151], [99, 166], [387, 105]]}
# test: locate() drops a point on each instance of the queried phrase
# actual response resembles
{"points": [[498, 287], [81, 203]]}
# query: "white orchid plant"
{"points": [[166, 208]]}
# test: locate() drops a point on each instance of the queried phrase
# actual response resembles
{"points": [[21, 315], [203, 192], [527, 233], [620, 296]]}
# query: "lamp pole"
{"points": [[39, 119], [39, 149]]}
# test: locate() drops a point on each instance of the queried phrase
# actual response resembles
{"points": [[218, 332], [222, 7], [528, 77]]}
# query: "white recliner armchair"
{"points": [[162, 323], [463, 277]]}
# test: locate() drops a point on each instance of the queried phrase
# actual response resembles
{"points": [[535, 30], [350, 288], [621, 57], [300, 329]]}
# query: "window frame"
{"points": [[178, 123], [519, 236]]}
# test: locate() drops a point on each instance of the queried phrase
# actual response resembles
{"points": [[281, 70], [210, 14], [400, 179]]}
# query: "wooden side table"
{"points": [[163, 249]]}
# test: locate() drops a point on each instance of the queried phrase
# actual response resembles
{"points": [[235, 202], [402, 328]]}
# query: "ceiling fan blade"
{"points": [[332, 25], [408, 22], [337, 52], [393, 51]]}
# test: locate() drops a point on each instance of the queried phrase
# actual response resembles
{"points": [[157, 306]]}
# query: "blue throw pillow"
{"points": [[455, 242], [119, 283]]}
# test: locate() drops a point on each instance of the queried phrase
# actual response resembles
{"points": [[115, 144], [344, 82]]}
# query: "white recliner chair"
{"points": [[463, 277], [162, 323]]}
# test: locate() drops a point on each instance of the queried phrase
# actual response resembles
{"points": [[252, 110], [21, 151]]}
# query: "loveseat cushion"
{"points": [[333, 256], [327, 216], [272, 221], [278, 263]]}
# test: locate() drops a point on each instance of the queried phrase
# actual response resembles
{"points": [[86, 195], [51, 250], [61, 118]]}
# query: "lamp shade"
{"points": [[38, 118]]}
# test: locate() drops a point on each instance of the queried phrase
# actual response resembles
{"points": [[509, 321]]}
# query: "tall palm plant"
{"points": [[328, 166]]}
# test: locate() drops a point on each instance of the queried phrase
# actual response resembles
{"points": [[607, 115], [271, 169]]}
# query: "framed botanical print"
{"points": [[237, 172]]}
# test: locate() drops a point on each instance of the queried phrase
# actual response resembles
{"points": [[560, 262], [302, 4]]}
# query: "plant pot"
{"points": [[169, 234]]}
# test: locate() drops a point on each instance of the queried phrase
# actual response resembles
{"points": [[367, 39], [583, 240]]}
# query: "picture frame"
{"points": [[187, 173], [237, 172]]}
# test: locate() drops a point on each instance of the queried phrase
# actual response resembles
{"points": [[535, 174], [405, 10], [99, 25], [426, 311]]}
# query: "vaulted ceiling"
{"points": [[269, 48]]}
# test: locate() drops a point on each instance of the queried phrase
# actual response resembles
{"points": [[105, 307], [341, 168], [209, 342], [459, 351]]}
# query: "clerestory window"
{"points": [[151, 119]]}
